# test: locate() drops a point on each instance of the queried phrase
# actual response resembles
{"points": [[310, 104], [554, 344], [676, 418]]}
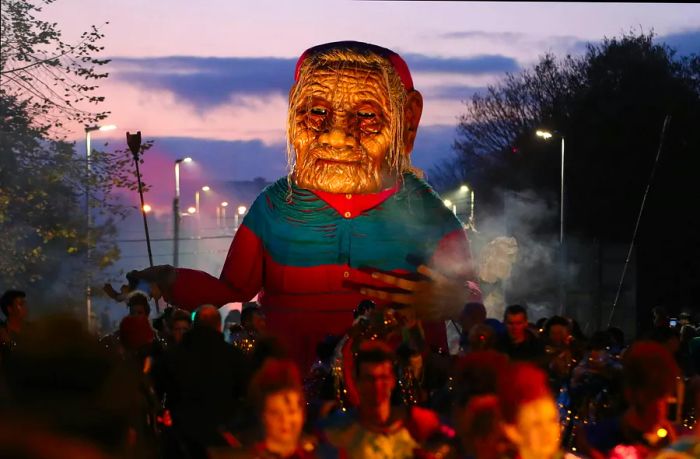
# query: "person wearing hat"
{"points": [[353, 220]]}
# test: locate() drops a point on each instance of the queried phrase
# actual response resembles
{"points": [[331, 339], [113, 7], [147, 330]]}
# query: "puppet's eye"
{"points": [[320, 111]]}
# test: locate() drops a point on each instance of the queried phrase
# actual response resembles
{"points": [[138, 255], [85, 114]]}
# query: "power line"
{"points": [[227, 236]]}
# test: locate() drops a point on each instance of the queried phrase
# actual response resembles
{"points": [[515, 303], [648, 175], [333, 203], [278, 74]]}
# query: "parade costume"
{"points": [[303, 251]]}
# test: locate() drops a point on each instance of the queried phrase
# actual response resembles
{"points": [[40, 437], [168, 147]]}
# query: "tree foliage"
{"points": [[48, 87], [57, 78], [609, 104]]}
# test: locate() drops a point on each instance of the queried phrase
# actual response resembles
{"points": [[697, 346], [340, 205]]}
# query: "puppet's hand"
{"points": [[160, 279], [436, 297], [109, 290]]}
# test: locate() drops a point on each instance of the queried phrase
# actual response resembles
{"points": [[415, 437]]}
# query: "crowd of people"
{"points": [[184, 385]]}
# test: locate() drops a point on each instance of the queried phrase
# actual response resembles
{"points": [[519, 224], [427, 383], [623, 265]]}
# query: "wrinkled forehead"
{"points": [[344, 78], [339, 83]]}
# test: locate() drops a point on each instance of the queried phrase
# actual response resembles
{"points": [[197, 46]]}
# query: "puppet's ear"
{"points": [[413, 109]]}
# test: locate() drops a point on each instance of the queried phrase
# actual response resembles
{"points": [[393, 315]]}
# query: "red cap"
{"points": [[396, 61]]}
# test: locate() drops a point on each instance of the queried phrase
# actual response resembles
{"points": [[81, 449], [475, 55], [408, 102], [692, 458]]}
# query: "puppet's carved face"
{"points": [[341, 131]]}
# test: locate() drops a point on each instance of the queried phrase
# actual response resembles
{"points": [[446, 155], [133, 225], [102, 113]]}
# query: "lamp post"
{"points": [[240, 212], [468, 204], [88, 234], [221, 215], [197, 208], [450, 205], [176, 211], [546, 135]]}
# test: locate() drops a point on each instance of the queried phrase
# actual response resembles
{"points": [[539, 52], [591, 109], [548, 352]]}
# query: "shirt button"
{"points": [[348, 196], [347, 215], [346, 274]]}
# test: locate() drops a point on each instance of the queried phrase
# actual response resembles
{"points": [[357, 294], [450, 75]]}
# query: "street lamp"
{"points": [[221, 214], [196, 205], [450, 205], [546, 135], [147, 208], [88, 150], [240, 212], [468, 195], [176, 211]]}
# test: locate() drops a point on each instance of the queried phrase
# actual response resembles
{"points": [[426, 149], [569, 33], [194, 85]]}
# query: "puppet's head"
{"points": [[353, 116]]}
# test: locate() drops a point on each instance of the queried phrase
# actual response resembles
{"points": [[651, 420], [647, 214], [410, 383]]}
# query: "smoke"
{"points": [[535, 272]]}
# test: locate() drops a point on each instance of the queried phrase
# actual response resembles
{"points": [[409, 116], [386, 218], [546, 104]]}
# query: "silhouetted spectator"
{"points": [[179, 324], [138, 304], [520, 343], [203, 380], [13, 304], [60, 386], [650, 377]]}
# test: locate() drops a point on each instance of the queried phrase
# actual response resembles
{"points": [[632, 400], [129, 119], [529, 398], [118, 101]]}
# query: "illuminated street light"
{"points": [[241, 211], [464, 188], [147, 208], [176, 211], [205, 188], [221, 214], [546, 135], [191, 210], [88, 150]]}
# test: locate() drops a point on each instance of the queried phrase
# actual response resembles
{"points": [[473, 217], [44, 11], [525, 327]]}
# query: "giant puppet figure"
{"points": [[353, 220]]}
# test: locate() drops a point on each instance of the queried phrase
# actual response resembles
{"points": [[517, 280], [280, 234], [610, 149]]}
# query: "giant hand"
{"points": [[436, 297], [160, 280]]}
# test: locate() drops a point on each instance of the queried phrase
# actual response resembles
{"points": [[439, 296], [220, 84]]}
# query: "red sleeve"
{"points": [[453, 258], [241, 276]]}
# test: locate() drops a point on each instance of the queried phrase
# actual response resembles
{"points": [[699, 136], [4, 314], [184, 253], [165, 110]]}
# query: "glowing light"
{"points": [[544, 134], [187, 160], [662, 433], [109, 127], [242, 210], [206, 188], [447, 203], [464, 188], [147, 208], [191, 210], [224, 204]]}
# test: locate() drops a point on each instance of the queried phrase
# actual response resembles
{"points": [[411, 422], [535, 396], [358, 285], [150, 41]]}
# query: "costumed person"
{"points": [[353, 220]]}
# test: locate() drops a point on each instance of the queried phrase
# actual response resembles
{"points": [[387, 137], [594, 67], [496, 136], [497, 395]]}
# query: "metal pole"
{"points": [[561, 218], [196, 206], [88, 288], [176, 216], [667, 120], [562, 256], [471, 208]]}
